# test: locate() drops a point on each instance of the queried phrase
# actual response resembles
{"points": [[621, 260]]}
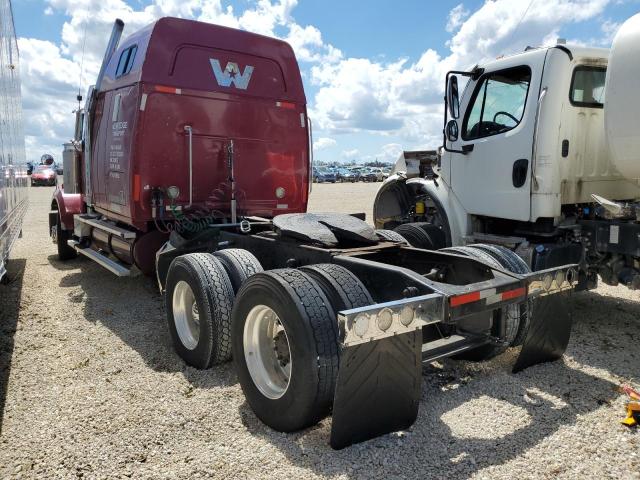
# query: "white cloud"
{"points": [[398, 98], [404, 99], [51, 75], [350, 154], [49, 86], [323, 143], [389, 152], [308, 44], [456, 17]]}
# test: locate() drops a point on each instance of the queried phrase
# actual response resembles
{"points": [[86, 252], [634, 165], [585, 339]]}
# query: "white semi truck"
{"points": [[541, 154]]}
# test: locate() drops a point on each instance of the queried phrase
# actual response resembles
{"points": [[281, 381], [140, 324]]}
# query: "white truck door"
{"points": [[497, 119]]}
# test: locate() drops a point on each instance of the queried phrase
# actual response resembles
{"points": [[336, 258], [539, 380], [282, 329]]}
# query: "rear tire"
{"points": [[512, 262], [391, 236], [311, 352], [239, 264], [343, 289], [417, 236], [199, 300], [509, 315], [65, 252], [436, 234]]}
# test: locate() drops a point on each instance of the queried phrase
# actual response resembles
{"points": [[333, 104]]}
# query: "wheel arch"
{"points": [[68, 204], [396, 196]]}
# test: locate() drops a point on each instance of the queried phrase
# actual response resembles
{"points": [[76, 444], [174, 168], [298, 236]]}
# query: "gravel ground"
{"points": [[91, 387]]}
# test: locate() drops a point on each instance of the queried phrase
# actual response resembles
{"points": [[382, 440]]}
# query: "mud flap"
{"points": [[549, 331], [378, 389]]}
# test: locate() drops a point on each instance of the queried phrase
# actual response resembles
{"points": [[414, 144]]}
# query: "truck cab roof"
{"points": [[581, 54], [177, 53]]}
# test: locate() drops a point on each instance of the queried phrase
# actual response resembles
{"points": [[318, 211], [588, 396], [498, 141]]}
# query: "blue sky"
{"points": [[373, 71]]}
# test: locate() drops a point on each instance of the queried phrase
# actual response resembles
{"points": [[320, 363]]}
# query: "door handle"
{"points": [[519, 173], [189, 130]]}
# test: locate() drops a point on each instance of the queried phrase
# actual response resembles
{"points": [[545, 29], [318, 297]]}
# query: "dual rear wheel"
{"points": [[279, 326]]}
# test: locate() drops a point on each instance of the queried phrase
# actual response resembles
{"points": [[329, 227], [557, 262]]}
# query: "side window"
{"points": [[125, 63], [587, 86], [497, 105]]}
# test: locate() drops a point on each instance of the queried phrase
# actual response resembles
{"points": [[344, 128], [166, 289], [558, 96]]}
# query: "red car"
{"points": [[43, 175]]}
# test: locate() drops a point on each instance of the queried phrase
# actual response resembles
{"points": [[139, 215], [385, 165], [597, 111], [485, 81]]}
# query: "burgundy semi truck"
{"points": [[192, 158], [210, 111]]}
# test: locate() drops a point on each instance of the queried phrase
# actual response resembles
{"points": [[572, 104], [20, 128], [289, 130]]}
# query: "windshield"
{"points": [[498, 103], [43, 168]]}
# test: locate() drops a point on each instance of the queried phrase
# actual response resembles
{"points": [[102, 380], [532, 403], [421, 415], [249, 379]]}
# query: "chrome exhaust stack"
{"points": [[112, 46]]}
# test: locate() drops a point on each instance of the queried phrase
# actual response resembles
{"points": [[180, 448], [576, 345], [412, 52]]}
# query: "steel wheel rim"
{"points": [[185, 315], [264, 340]]}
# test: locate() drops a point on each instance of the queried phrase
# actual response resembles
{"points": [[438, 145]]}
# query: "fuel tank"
{"points": [[622, 99]]}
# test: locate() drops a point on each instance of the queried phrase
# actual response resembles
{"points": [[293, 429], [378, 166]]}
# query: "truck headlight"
{"points": [[547, 281], [560, 278]]}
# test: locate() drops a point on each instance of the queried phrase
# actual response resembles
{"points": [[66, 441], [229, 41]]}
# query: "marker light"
{"points": [[406, 316], [361, 325], [173, 192], [385, 317]]}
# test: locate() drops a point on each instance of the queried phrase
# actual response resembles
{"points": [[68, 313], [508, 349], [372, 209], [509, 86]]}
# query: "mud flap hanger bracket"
{"points": [[379, 381]]}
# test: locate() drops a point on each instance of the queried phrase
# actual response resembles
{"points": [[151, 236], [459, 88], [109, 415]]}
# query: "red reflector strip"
{"points": [[289, 105], [463, 299], [136, 188], [518, 292], [163, 89]]}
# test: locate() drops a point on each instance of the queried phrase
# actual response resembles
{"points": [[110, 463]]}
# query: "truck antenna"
{"points": [[84, 43], [515, 30]]}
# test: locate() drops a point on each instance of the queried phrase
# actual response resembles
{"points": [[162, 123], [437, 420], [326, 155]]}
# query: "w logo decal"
{"points": [[231, 74]]}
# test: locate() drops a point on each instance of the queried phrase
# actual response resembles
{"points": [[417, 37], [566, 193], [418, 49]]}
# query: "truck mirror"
{"points": [[452, 97], [452, 130]]}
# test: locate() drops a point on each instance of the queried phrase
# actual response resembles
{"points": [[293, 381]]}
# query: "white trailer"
{"points": [[13, 173], [540, 154]]}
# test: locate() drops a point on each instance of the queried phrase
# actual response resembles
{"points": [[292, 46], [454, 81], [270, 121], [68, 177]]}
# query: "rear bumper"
{"points": [[378, 388]]}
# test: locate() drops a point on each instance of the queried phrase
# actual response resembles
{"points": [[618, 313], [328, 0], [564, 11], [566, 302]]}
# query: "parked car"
{"points": [[378, 172], [358, 172], [368, 175], [44, 175], [322, 174], [346, 175]]}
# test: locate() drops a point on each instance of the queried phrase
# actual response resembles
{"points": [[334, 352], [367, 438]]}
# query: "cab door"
{"points": [[497, 128]]}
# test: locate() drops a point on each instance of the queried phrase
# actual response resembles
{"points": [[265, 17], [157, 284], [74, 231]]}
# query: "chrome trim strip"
{"points": [[360, 325]]}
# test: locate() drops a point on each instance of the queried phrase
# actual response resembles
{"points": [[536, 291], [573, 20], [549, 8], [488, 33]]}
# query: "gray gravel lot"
{"points": [[91, 387]]}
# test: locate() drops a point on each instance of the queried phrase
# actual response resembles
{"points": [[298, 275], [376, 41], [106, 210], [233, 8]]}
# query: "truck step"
{"points": [[446, 347], [114, 267], [107, 227]]}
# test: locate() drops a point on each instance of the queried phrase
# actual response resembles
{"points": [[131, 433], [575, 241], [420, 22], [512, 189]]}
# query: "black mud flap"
{"points": [[549, 331], [378, 389]]}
